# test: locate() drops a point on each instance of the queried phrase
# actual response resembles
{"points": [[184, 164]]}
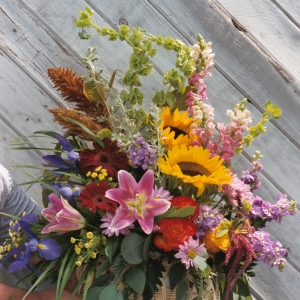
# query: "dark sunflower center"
{"points": [[103, 159], [177, 131], [99, 199], [192, 169]]}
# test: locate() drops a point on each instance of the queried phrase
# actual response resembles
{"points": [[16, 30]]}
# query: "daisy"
{"points": [[188, 251]]}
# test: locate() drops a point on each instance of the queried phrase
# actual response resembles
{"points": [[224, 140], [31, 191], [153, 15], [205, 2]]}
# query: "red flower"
{"points": [[93, 197], [110, 158], [184, 201], [174, 232]]}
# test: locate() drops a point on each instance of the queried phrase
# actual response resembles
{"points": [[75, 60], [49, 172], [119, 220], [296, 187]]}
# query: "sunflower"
{"points": [[110, 158], [93, 197], [175, 127], [193, 165]]}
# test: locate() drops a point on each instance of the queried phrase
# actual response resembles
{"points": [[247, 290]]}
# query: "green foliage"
{"points": [[176, 274], [182, 290], [132, 248], [153, 278], [111, 247], [136, 279]]}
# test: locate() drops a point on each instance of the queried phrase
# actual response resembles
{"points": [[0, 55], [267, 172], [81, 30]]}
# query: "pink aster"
{"points": [[136, 201], [109, 231], [189, 251]]}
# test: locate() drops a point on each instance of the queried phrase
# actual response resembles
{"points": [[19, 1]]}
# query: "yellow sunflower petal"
{"points": [[194, 165]]}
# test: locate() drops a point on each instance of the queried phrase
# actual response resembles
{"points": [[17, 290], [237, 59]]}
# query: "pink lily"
{"points": [[136, 201], [62, 216]]}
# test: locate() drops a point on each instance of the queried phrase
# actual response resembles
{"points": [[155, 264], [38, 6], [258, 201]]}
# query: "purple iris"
{"points": [[46, 248], [67, 192], [56, 161]]}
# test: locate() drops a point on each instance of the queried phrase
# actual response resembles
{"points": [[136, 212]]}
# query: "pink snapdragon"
{"points": [[136, 202], [62, 216]]}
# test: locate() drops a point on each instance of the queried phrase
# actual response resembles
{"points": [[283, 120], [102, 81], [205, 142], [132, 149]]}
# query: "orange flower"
{"points": [[174, 232], [184, 201], [215, 244]]}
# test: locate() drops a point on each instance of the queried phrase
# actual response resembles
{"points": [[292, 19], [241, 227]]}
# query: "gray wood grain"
{"points": [[38, 34]]}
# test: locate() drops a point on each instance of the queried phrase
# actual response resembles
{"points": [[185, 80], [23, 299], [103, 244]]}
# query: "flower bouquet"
{"points": [[145, 204]]}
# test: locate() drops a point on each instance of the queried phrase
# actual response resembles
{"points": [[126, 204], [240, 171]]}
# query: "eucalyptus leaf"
{"points": [[146, 248], [176, 274], [109, 292], [103, 267], [200, 262], [111, 246], [136, 279], [94, 292], [132, 248], [182, 290]]}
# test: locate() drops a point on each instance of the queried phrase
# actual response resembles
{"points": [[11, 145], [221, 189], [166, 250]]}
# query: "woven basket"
{"points": [[210, 292]]}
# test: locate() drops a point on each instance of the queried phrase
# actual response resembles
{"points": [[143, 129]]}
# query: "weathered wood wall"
{"points": [[256, 45]]}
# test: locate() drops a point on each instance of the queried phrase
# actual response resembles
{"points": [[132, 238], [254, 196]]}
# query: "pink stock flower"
{"points": [[136, 202], [62, 216]]}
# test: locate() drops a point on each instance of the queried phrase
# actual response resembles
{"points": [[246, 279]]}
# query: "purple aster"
{"points": [[188, 252], [141, 153]]}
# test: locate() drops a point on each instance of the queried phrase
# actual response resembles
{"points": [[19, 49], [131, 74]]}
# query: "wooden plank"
{"points": [[291, 9], [28, 103], [264, 23], [238, 60], [12, 158], [271, 284]]}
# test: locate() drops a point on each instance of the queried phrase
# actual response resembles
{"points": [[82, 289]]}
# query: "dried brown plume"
{"points": [[83, 110]]}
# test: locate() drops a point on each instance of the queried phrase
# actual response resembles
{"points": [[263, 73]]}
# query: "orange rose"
{"points": [[216, 244], [184, 201], [174, 232]]}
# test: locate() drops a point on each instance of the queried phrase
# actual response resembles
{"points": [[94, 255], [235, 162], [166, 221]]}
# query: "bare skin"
{"points": [[7, 292]]}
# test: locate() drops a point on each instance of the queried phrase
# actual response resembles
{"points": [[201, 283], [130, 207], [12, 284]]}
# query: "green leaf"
{"points": [[89, 132], [224, 227], [132, 248], [242, 288], [136, 279], [176, 274], [103, 267], [119, 295], [109, 292], [181, 212], [102, 280], [111, 246], [200, 262], [181, 290], [146, 248], [93, 92], [94, 292], [84, 36]]}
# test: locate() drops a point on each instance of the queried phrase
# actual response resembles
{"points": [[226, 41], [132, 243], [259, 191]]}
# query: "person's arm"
{"points": [[7, 292]]}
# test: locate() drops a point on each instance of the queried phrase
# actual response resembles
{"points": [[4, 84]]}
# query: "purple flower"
{"points": [[269, 252], [62, 216], [46, 248], [209, 218], [141, 153], [136, 202], [188, 252]]}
